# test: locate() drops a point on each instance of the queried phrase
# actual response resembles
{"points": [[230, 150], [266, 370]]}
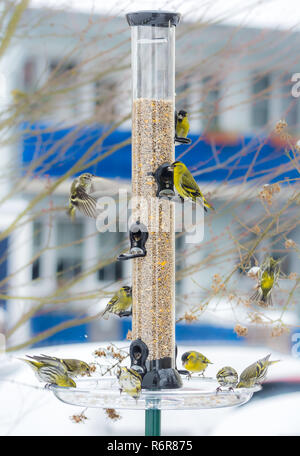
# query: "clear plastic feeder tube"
{"points": [[153, 88]]}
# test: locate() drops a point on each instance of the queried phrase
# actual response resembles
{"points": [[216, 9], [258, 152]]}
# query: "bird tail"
{"points": [[104, 314], [260, 299], [273, 362], [71, 212], [34, 364], [204, 203], [207, 205]]}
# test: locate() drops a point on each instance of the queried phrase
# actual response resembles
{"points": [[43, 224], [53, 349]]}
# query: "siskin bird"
{"points": [[51, 373], [80, 197], [119, 303], [255, 373], [182, 125], [267, 278], [130, 381], [74, 367], [227, 376], [186, 185], [194, 361]]}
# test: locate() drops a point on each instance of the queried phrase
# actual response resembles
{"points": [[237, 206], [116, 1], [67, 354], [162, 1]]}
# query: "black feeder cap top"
{"points": [[153, 18]]}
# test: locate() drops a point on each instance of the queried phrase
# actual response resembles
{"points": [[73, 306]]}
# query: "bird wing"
{"points": [[249, 373], [190, 186], [109, 306], [48, 360], [33, 364], [86, 203], [50, 374]]}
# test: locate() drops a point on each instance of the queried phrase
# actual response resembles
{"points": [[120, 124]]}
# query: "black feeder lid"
{"points": [[153, 18]]}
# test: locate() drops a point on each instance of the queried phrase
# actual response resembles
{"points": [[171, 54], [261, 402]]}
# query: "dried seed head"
{"points": [[266, 194], [112, 414], [78, 418], [280, 126], [293, 276], [189, 317], [289, 244], [241, 330], [279, 330]]}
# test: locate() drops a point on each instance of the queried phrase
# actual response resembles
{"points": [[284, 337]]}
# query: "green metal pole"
{"points": [[152, 422]]}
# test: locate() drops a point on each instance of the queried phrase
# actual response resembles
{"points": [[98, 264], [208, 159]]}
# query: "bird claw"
{"points": [[219, 389], [185, 372], [125, 313]]}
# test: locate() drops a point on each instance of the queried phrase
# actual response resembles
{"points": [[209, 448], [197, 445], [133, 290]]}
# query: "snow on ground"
{"points": [[28, 411]]}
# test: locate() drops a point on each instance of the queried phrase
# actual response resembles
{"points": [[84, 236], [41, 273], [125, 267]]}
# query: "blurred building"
{"points": [[71, 72]]}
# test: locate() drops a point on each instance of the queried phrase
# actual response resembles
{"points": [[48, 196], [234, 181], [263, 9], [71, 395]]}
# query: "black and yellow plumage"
{"points": [[267, 279], [130, 382], [255, 373], [79, 196], [227, 376], [119, 303], [50, 372], [195, 362], [186, 185], [182, 125], [74, 367]]}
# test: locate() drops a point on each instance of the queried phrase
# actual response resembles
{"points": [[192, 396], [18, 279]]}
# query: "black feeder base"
{"points": [[162, 379], [160, 375], [156, 374]]}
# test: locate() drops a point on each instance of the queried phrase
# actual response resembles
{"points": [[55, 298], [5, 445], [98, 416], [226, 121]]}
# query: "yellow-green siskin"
{"points": [[130, 382], [182, 125], [194, 361], [53, 373], [255, 373], [186, 185], [227, 376], [267, 278], [119, 303], [74, 367], [80, 198]]}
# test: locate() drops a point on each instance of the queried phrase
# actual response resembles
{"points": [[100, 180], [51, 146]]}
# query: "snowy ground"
{"points": [[28, 411]]}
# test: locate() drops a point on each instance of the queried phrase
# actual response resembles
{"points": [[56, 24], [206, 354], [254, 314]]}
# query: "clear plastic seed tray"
{"points": [[196, 393]]}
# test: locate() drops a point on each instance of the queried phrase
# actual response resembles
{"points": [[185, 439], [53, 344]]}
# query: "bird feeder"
{"points": [[153, 132], [152, 244]]}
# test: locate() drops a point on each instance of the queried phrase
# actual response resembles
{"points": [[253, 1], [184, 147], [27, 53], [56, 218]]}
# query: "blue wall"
{"points": [[68, 145]]}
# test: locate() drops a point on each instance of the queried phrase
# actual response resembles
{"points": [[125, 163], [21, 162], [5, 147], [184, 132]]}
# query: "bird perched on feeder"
{"points": [[268, 275], [119, 303], [255, 373], [194, 361], [79, 196], [51, 373], [186, 185], [130, 381], [227, 376], [74, 367], [182, 125]]}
